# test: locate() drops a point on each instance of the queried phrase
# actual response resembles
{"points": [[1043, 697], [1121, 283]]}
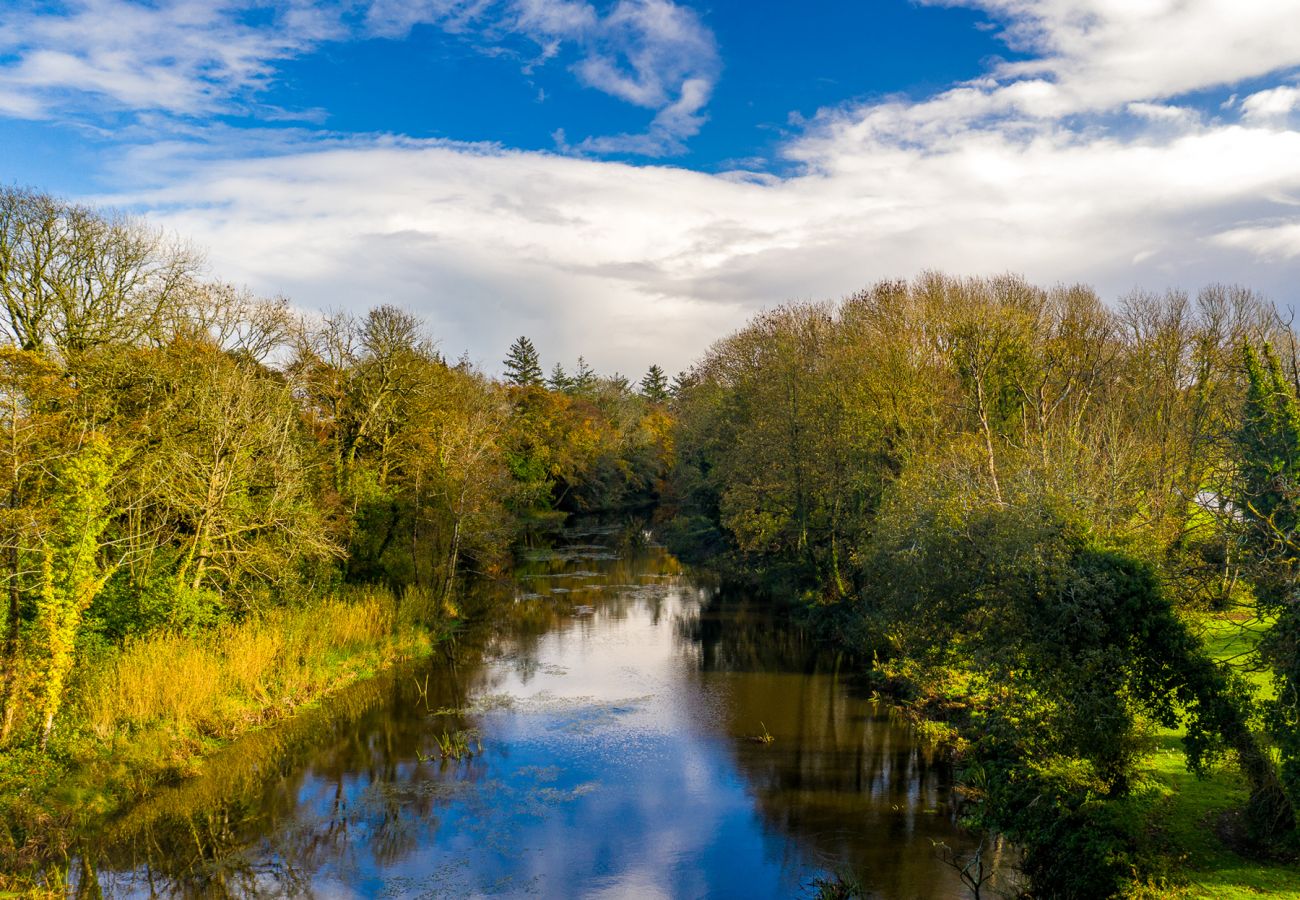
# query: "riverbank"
{"points": [[1179, 825], [1193, 817], [150, 712]]}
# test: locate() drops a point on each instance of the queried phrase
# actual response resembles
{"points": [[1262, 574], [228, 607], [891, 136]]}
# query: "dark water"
{"points": [[616, 701]]}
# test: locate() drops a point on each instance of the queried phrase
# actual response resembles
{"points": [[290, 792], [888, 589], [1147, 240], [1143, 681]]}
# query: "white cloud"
{"points": [[1101, 53], [1267, 242], [1163, 112], [654, 54], [1272, 104], [188, 57], [637, 264], [196, 58]]}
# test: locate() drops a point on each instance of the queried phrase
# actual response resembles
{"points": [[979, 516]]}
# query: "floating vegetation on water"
{"points": [[763, 738], [486, 703], [836, 887]]}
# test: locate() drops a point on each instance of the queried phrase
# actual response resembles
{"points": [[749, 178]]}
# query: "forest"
{"points": [[217, 510], [1039, 517], [1059, 533]]}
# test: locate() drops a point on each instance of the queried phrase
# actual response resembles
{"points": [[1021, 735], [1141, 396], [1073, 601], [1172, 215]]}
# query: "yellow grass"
{"points": [[217, 683]]}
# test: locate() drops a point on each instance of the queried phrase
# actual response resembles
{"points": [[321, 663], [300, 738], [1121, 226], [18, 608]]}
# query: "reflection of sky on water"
{"points": [[615, 763], [599, 782]]}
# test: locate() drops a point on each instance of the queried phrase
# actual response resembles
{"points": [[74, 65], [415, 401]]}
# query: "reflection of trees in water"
{"points": [[342, 788], [342, 785], [845, 780], [312, 791], [553, 587]]}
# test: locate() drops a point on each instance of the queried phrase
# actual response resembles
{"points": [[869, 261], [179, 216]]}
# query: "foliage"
{"points": [[181, 461], [654, 385], [523, 365], [1013, 498], [1268, 449]]}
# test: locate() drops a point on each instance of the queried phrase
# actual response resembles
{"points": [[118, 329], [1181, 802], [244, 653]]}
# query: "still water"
{"points": [[613, 706]]}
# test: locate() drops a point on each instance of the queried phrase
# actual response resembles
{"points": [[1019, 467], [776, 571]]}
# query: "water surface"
{"points": [[612, 705]]}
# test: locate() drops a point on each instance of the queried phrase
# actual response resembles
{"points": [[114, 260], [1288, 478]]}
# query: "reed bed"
{"points": [[256, 669]]}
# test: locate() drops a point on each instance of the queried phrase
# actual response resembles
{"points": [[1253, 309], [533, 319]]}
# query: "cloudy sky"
{"points": [[630, 179]]}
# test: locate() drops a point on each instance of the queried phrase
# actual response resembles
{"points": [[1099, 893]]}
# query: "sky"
{"points": [[630, 180]]}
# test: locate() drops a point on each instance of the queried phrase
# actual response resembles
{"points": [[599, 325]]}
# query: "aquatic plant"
{"points": [[454, 745], [837, 886]]}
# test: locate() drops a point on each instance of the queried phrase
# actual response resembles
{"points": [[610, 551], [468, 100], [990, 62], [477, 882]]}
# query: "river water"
{"points": [[613, 707]]}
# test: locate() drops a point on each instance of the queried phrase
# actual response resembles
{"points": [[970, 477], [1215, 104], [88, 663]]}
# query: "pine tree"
{"points": [[654, 386], [681, 381], [584, 378], [559, 380], [523, 366]]}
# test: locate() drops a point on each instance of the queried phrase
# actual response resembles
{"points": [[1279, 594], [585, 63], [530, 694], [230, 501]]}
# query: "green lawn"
{"points": [[1186, 808]]}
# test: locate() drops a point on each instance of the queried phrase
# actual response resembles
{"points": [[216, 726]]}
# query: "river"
{"points": [[616, 712]]}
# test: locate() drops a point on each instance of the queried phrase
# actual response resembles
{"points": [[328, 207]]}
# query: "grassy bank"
{"points": [[1184, 828], [1190, 816], [147, 713]]}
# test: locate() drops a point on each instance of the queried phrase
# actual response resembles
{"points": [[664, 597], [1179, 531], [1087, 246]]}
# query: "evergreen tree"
{"points": [[654, 386], [681, 381], [584, 378], [559, 380], [523, 366]]}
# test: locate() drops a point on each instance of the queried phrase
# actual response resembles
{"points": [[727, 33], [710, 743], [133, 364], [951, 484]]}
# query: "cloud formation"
{"points": [[1109, 152], [186, 57], [194, 58]]}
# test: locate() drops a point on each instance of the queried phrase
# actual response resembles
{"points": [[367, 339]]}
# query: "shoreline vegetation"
{"points": [[215, 509], [1063, 532], [159, 707]]}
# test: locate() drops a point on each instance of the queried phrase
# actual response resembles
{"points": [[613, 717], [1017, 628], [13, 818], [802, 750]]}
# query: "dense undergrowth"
{"points": [[147, 712]]}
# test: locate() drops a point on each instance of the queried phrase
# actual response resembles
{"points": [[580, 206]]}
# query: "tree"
{"points": [[654, 386], [34, 397], [72, 570], [559, 380], [72, 278], [523, 365], [1268, 445], [584, 378]]}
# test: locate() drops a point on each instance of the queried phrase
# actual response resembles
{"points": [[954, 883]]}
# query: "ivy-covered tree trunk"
{"points": [[72, 572], [1268, 445]]}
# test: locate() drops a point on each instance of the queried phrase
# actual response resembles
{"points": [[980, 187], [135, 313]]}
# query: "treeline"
{"points": [[1023, 502], [179, 458]]}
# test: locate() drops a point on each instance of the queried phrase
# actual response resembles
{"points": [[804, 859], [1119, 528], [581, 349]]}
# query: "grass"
{"points": [[150, 711], [1185, 810], [455, 745]]}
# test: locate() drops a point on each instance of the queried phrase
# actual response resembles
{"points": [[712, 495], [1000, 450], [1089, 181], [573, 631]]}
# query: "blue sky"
{"points": [[629, 179]]}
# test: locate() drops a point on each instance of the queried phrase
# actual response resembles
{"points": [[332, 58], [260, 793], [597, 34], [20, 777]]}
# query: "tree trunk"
{"points": [[9, 661]]}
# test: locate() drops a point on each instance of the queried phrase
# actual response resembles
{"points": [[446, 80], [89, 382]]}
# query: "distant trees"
{"points": [[559, 379], [72, 278], [654, 385], [523, 365]]}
